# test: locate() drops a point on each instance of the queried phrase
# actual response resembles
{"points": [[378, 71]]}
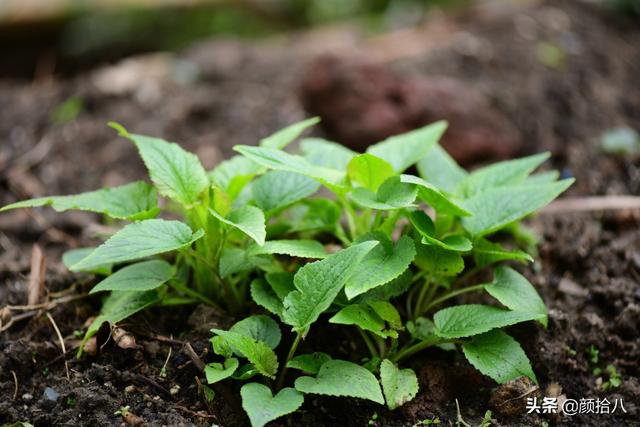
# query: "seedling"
{"points": [[391, 253]]}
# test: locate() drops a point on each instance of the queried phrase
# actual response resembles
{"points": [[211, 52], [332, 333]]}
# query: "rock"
{"points": [[571, 288], [361, 102], [510, 399], [51, 394]]}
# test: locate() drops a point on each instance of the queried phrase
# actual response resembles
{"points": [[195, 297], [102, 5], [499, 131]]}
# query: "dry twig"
{"points": [[62, 346], [36, 277]]}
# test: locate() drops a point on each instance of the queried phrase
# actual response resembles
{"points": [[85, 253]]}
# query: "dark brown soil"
{"points": [[588, 270]]}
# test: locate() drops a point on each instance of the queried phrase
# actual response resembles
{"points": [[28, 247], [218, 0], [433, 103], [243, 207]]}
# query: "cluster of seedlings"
{"points": [[376, 249]]}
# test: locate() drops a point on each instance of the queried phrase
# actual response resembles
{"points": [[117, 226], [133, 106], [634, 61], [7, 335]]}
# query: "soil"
{"points": [[223, 93]]}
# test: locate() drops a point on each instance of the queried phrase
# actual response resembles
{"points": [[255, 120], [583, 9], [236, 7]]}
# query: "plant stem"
{"points": [[292, 351], [369, 343], [408, 351], [194, 294], [452, 294], [350, 217]]}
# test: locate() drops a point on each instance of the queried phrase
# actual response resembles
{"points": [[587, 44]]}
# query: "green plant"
{"points": [[393, 252]]}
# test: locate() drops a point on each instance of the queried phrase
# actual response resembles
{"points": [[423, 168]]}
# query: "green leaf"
{"points": [[260, 328], [287, 135], [392, 194], [258, 353], [176, 173], [365, 317], [143, 276], [280, 160], [342, 378], [424, 225], [402, 151], [473, 319], [506, 173], [498, 356], [421, 328], [118, 306], [281, 283], [217, 371], [277, 189], [317, 285], [399, 385], [294, 248], [234, 174], [497, 208], [140, 240], [387, 312], [437, 167], [542, 178], [309, 363], [325, 153], [74, 256], [435, 198], [486, 252], [248, 219], [265, 297], [234, 260], [438, 261], [369, 171], [514, 291], [135, 201], [314, 214], [383, 264], [262, 407], [392, 289]]}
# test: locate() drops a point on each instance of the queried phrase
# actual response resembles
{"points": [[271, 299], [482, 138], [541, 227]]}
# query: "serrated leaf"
{"points": [[143, 276], [392, 289], [287, 135], [486, 252], [437, 167], [262, 407], [442, 203], [309, 363], [280, 160], [514, 291], [438, 261], [258, 353], [265, 297], [387, 312], [278, 189], [281, 283], [295, 248], [399, 385], [248, 219], [392, 194], [497, 208], [260, 328], [369, 171], [135, 201], [402, 151], [473, 319], [383, 264], [234, 174], [317, 285], [342, 378], [74, 256], [365, 318], [325, 153], [176, 173], [216, 372], [118, 306], [424, 225], [506, 173], [140, 240], [498, 356]]}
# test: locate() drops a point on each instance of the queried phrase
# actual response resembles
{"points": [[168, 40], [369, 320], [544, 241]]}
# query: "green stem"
{"points": [[369, 343], [452, 294], [292, 351], [408, 351], [193, 294], [350, 217]]}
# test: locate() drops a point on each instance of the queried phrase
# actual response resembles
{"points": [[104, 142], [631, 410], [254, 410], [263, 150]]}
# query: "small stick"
{"points": [[590, 204], [36, 277], [64, 350], [199, 364], [15, 383], [163, 371]]}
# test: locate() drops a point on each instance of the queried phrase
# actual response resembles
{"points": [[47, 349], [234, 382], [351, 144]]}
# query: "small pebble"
{"points": [[174, 390], [51, 394], [130, 389], [27, 397]]}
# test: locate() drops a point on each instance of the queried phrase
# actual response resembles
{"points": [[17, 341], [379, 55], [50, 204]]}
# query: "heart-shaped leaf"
{"points": [[262, 406], [399, 385]]}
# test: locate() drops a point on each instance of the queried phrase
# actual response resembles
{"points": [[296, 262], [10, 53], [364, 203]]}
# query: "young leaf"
{"points": [[287, 135], [546, 177], [434, 197], [365, 317], [258, 353], [424, 225], [142, 276], [498, 356], [73, 256], [437, 167], [402, 151], [392, 289], [314, 215], [473, 319], [509, 172], [265, 297], [262, 407], [317, 284], [140, 240], [514, 291], [248, 219], [325, 153], [387, 312], [342, 378], [383, 264], [135, 201], [217, 371], [392, 194], [281, 283], [294, 248], [399, 385], [486, 252], [438, 261], [278, 189], [234, 174], [369, 171], [309, 363], [497, 208], [421, 329], [118, 306], [260, 328], [175, 172]]}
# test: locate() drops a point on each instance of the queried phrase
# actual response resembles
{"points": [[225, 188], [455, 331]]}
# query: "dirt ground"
{"points": [[223, 93]]}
